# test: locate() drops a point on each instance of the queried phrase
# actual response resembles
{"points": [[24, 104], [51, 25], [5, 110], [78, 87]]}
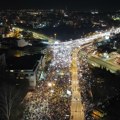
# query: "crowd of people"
{"points": [[84, 76], [59, 101], [36, 103], [52, 98]]}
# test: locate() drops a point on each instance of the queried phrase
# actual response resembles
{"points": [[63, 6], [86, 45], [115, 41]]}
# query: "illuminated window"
{"points": [[11, 70], [21, 77], [22, 70]]}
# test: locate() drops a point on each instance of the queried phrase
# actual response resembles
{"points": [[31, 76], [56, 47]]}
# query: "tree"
{"points": [[11, 96]]}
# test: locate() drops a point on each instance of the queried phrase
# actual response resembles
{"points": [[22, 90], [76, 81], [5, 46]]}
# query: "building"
{"points": [[14, 42], [25, 68], [2, 61]]}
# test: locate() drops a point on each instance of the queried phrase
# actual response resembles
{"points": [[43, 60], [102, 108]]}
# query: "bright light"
{"points": [[56, 42], [22, 70], [68, 92], [52, 91], [107, 37], [11, 70], [50, 84]]}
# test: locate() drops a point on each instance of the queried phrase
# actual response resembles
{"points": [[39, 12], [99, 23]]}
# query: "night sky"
{"points": [[70, 4]]}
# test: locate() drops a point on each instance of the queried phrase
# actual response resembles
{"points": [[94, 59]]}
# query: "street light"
{"points": [[55, 35], [114, 46], [52, 91], [50, 84]]}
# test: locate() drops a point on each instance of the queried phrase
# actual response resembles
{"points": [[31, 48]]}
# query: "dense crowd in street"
{"points": [[36, 103], [52, 97], [59, 101], [84, 75]]}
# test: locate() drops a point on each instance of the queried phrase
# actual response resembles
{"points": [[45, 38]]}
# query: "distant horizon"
{"points": [[69, 9], [105, 5]]}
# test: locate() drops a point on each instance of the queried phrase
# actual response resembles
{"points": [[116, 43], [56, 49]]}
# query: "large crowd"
{"points": [[50, 102], [53, 102], [59, 101], [36, 103], [85, 83]]}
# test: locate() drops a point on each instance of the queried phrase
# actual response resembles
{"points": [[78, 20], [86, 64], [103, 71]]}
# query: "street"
{"points": [[77, 111]]}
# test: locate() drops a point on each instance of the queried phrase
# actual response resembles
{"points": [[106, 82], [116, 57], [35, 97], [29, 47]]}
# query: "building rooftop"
{"points": [[23, 63]]}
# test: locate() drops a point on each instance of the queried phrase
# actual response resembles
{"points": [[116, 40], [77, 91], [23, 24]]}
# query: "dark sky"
{"points": [[72, 4]]}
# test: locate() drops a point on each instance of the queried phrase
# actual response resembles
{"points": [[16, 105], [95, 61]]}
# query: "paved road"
{"points": [[76, 104], [37, 35]]}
